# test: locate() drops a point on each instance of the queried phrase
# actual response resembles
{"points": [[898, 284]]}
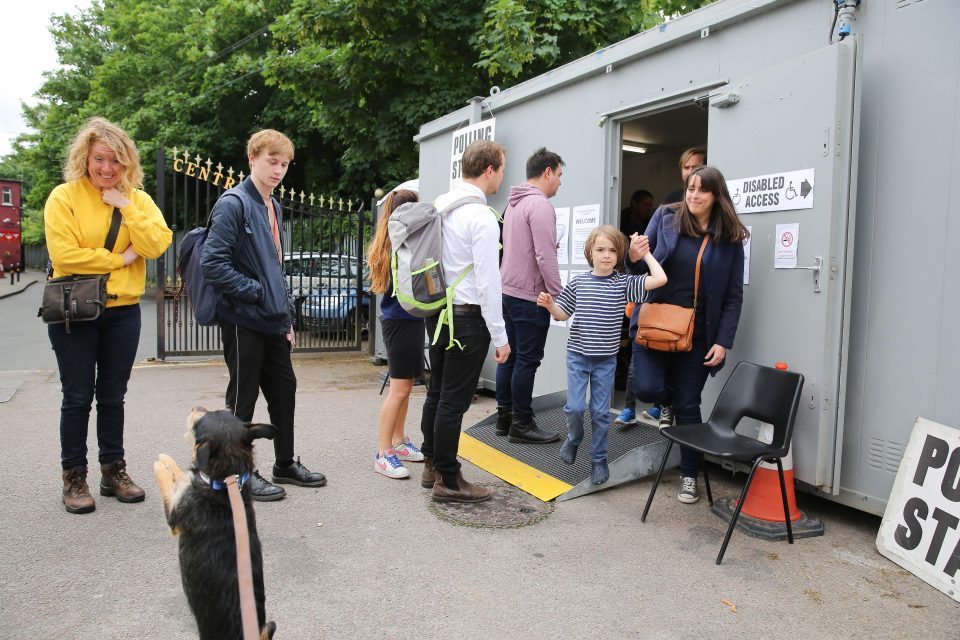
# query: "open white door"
{"points": [[796, 117]]}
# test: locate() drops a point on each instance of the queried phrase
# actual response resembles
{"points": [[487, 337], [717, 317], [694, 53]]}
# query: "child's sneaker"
{"points": [[390, 466], [653, 413], [627, 416], [688, 490], [666, 417], [408, 451]]}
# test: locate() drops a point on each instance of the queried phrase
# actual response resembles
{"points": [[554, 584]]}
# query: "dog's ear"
{"points": [[260, 430], [202, 454]]}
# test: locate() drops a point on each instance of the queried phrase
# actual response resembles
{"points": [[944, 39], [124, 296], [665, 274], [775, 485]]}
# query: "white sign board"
{"points": [[461, 139], [564, 278], [586, 218], [746, 256], [773, 192], [787, 242], [920, 530], [563, 226]]}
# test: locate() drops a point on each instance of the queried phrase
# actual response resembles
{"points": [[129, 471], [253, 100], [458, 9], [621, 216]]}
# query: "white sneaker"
{"points": [[688, 490], [407, 451], [390, 466]]}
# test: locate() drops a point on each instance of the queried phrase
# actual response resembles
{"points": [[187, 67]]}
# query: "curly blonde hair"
{"points": [[101, 130], [379, 255]]}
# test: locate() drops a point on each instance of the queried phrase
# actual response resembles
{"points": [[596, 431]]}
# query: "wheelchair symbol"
{"points": [[791, 192], [736, 197]]}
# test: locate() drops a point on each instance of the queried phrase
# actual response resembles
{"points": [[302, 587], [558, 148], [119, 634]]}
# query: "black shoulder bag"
{"points": [[78, 298]]}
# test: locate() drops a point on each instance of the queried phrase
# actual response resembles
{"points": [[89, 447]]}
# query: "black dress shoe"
{"points": [[298, 474], [524, 429], [263, 491]]}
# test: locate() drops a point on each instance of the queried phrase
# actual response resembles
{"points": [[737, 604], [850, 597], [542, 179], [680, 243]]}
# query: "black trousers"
{"points": [[261, 362], [454, 374]]}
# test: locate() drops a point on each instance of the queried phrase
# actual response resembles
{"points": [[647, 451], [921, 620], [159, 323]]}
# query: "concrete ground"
{"points": [[366, 557]]}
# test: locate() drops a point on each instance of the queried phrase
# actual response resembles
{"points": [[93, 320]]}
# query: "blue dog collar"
{"points": [[220, 485]]}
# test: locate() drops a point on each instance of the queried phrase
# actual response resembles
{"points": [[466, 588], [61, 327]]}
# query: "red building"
{"points": [[10, 244]]}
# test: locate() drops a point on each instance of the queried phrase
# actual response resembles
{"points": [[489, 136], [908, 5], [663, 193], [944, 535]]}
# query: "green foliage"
{"points": [[31, 227], [350, 81]]}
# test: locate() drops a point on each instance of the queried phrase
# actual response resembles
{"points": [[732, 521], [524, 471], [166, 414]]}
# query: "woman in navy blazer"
{"points": [[675, 380]]}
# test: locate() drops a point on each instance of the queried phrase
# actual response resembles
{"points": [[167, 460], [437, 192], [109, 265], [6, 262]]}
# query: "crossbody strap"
{"points": [[114, 230], [696, 278]]}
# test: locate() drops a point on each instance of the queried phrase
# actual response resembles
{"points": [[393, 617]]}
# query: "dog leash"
{"points": [[248, 607]]}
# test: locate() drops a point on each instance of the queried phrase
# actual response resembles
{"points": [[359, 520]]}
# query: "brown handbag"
{"points": [[669, 327]]}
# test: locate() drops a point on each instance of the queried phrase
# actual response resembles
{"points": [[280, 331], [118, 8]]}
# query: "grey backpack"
{"points": [[416, 235]]}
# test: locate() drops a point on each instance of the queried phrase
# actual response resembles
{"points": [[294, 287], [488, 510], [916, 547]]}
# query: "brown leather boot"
{"points": [[116, 482], [76, 493], [467, 492], [429, 476]]}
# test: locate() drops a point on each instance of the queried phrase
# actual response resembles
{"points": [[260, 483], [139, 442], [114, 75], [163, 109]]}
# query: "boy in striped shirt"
{"points": [[598, 298]]}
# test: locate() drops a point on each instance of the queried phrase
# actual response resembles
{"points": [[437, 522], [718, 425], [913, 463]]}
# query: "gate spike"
{"points": [[349, 205], [186, 155], [311, 199], [196, 159], [230, 172], [283, 191], [219, 167], [209, 163], [340, 203], [240, 177], [173, 152], [302, 195]]}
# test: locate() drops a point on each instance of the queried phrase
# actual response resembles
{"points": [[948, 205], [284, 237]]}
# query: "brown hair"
{"points": [[481, 154], [613, 234], [724, 224], [380, 250], [100, 130], [271, 141], [689, 153]]}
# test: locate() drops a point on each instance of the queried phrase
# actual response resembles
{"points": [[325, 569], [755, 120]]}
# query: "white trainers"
{"points": [[688, 490], [390, 466], [408, 451]]}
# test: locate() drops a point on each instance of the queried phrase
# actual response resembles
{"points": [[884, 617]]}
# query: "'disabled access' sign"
{"points": [[773, 192]]}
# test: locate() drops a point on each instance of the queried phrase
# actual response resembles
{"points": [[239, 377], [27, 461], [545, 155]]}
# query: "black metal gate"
{"points": [[323, 242]]}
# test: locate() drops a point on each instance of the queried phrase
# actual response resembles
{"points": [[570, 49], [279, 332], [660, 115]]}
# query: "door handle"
{"points": [[816, 268]]}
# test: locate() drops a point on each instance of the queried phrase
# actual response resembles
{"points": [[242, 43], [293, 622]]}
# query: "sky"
{"points": [[27, 51]]}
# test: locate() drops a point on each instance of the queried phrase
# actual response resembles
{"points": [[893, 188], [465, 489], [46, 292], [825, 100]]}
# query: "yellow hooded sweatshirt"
{"points": [[77, 220]]}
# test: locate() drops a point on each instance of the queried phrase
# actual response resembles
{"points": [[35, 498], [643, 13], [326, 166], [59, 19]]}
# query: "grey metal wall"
{"points": [[903, 316]]}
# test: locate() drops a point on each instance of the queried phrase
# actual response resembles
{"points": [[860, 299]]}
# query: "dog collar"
{"points": [[220, 485]]}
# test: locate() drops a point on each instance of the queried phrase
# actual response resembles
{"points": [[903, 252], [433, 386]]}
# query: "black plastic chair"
{"points": [[754, 391]]}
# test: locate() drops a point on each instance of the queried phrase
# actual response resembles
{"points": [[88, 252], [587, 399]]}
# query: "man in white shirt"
{"points": [[471, 235]]}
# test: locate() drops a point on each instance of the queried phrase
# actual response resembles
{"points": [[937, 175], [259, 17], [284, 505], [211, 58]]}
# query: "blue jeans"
{"points": [[454, 374], [527, 326], [95, 360], [598, 372], [687, 375]]}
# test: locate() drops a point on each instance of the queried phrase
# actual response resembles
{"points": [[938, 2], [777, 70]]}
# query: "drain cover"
{"points": [[508, 508]]}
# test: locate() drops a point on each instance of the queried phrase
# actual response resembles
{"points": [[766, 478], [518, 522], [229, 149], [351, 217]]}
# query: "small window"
{"points": [[7, 196]]}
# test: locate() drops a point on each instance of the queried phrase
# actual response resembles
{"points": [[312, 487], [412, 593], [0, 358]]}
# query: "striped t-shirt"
{"points": [[597, 304]]}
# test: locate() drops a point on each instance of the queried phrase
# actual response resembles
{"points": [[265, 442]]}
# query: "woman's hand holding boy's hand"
{"points": [[639, 246], [544, 300]]}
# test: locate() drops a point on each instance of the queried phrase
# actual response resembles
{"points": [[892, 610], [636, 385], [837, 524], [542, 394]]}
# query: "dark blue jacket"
{"points": [[240, 260], [721, 279]]}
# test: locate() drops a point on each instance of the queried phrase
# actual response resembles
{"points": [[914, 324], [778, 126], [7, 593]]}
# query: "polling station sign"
{"points": [[920, 530], [773, 192], [461, 139]]}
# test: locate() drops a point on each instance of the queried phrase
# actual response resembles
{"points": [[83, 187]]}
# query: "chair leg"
{"points": [[736, 512], [706, 483], [656, 483], [386, 379], [786, 508]]}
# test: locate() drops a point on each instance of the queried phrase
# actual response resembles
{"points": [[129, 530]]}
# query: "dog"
{"points": [[198, 512]]}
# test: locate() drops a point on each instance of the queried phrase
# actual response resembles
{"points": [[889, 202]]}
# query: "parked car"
{"points": [[309, 272], [335, 311]]}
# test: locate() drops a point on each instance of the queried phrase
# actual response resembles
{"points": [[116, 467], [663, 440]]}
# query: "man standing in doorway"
{"points": [[242, 260], [471, 235], [529, 266], [636, 217], [689, 160]]}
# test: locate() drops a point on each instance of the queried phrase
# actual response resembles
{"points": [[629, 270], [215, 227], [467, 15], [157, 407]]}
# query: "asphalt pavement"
{"points": [[366, 556]]}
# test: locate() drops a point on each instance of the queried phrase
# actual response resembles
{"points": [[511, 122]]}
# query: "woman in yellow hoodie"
{"points": [[102, 173]]}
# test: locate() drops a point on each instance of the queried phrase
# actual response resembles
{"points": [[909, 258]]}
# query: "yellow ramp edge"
{"points": [[535, 482]]}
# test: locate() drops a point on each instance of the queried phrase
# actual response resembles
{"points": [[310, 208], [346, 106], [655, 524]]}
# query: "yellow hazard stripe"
{"points": [[532, 480]]}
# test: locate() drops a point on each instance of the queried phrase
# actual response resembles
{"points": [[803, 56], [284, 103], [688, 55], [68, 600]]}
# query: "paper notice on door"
{"points": [[746, 256], [563, 235], [586, 218], [787, 241], [564, 278]]}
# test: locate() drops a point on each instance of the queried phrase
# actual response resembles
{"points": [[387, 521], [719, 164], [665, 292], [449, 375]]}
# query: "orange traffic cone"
{"points": [[762, 513]]}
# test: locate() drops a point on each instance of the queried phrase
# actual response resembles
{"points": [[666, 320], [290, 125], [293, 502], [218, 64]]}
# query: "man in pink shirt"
{"points": [[529, 266]]}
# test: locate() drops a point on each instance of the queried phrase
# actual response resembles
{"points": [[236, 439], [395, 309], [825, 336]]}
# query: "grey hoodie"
{"points": [[529, 263]]}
